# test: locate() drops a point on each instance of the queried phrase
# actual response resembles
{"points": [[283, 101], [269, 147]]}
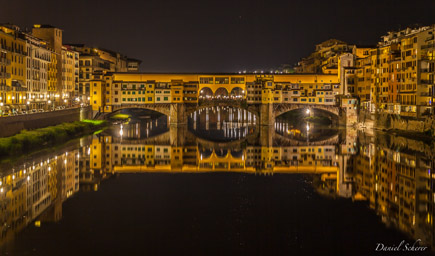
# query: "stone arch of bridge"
{"points": [[236, 91], [206, 92], [227, 87], [221, 92], [165, 110], [332, 111]]}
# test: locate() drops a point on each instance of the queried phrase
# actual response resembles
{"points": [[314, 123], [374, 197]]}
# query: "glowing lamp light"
{"points": [[308, 111], [121, 132]]}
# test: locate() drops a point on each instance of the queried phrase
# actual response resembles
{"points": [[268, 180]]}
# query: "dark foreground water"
{"points": [[146, 188], [206, 214]]}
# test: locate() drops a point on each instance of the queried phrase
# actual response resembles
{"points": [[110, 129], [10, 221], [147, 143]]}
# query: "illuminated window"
{"points": [[237, 80], [222, 80], [206, 80]]}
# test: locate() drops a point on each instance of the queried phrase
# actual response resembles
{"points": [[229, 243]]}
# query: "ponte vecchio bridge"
{"points": [[265, 95]]}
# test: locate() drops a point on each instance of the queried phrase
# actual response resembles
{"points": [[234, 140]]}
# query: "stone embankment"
{"points": [[391, 122], [14, 124]]}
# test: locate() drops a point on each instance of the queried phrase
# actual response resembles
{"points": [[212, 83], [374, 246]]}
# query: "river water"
{"points": [[221, 185]]}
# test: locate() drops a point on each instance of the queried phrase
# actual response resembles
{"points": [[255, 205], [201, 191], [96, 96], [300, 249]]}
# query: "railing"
{"points": [[5, 75], [424, 81], [5, 61]]}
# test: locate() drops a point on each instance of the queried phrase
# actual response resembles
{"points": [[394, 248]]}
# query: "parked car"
{"points": [[34, 111], [40, 110]]}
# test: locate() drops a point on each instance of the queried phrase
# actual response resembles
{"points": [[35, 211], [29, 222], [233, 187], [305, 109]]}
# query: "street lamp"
{"points": [[308, 111]]}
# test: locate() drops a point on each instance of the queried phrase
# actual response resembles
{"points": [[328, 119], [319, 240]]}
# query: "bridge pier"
{"points": [[347, 116], [266, 135], [177, 114], [267, 116], [177, 135]]}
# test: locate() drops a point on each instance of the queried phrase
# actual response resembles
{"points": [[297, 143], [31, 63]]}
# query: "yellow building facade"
{"points": [[116, 89]]}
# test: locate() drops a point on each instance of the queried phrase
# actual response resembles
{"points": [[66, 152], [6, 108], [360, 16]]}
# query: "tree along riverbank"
{"points": [[27, 141]]}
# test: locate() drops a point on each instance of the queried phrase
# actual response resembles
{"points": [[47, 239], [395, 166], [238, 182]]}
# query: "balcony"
{"points": [[5, 61], [424, 81], [5, 88], [5, 75], [425, 94]]}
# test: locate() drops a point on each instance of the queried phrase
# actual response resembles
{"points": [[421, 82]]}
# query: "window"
{"points": [[237, 80], [165, 98], [158, 98], [221, 80], [150, 99], [206, 80]]}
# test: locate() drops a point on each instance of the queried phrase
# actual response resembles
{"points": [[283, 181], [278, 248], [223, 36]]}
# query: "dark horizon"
{"points": [[195, 36]]}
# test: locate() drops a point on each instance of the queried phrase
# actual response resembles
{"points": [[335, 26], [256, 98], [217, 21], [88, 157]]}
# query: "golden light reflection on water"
{"points": [[392, 174]]}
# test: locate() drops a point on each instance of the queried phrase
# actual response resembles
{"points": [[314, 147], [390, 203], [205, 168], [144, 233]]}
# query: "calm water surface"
{"points": [[220, 185]]}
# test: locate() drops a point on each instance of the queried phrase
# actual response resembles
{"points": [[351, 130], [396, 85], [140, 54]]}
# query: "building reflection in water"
{"points": [[392, 174], [222, 123]]}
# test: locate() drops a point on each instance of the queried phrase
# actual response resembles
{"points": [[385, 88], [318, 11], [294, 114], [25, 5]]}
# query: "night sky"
{"points": [[217, 36]]}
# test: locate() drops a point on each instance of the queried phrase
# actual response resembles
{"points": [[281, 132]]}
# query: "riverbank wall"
{"points": [[12, 125], [387, 121]]}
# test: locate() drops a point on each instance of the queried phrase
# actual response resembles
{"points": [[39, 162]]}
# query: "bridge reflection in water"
{"points": [[222, 123], [392, 174]]}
